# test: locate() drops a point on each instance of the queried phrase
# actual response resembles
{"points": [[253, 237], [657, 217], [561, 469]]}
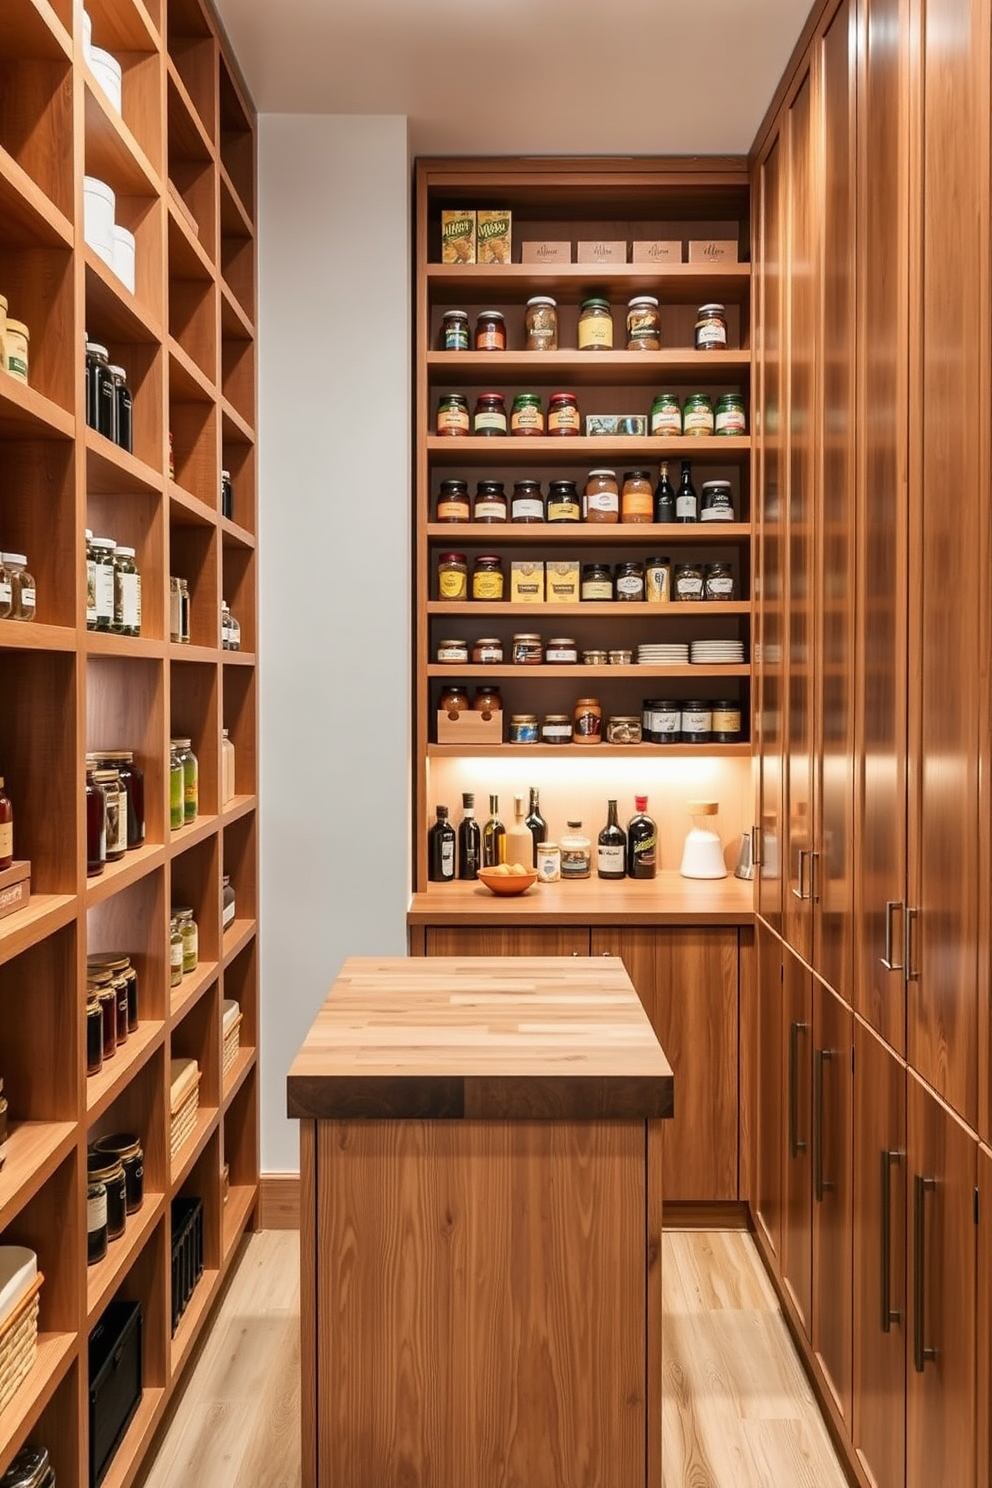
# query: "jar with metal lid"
{"points": [[490, 504], [102, 1167], [118, 965], [452, 503], [191, 778], [658, 580], [452, 576], [620, 657], [190, 933], [597, 581], [666, 416], [452, 652], [594, 657], [488, 699], [601, 498], [556, 729], [7, 594], [126, 1147], [726, 721], [96, 827], [31, 1468], [548, 864], [718, 581], [563, 414], [454, 330], [527, 415], [527, 650], [96, 1222], [697, 722], [561, 651], [687, 581], [595, 331], [541, 323], [23, 594], [587, 721], [115, 808], [487, 577], [730, 415], [123, 410], [523, 728], [101, 554], [661, 720], [623, 728], [487, 650], [711, 328], [643, 324], [629, 583], [563, 502], [526, 503], [453, 699], [175, 952], [452, 415], [133, 783], [228, 902], [94, 1035], [716, 502], [127, 593], [176, 814], [489, 418], [119, 985], [101, 403], [576, 852], [490, 331], [697, 415], [637, 497]]}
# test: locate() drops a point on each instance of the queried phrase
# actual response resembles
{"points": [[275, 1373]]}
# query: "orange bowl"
{"points": [[511, 883]]}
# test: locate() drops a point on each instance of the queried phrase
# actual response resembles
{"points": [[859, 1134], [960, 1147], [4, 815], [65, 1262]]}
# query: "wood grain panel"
{"points": [[984, 1371], [797, 1246], [833, 1094], [668, 899], [771, 1113], [481, 1294], [499, 941]]}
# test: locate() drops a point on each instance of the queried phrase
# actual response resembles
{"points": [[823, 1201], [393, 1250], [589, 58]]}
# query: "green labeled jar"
{"points": [[527, 414], [730, 416], [666, 416], [697, 415]]}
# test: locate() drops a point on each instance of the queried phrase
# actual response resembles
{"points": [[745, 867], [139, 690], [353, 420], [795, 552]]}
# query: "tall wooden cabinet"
{"points": [[180, 157]]}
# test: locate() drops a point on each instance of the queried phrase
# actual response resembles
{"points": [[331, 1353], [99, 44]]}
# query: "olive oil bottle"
{"points": [[493, 837]]}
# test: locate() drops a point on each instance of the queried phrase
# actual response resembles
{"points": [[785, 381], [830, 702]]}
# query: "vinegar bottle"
{"points": [[441, 849]]}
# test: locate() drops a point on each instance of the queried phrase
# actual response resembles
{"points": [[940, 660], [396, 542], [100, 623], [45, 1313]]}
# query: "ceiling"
{"points": [[525, 77]]}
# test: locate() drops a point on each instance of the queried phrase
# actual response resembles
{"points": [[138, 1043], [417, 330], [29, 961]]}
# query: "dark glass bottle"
{"points": [[469, 840], [6, 828], [535, 821], [686, 503], [664, 496], [611, 848], [642, 842], [441, 849], [493, 837], [96, 827]]}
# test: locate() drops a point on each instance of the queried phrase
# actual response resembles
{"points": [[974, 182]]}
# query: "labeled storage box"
{"points": [[20, 1303], [617, 423], [561, 581], [526, 582], [545, 252], [601, 251], [15, 887], [470, 727], [493, 237], [458, 237], [712, 250], [657, 251], [115, 1382], [184, 1101], [230, 1032]]}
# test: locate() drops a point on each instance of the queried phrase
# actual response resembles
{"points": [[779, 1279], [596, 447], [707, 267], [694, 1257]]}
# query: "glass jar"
{"points": [[452, 652], [118, 965], [563, 502], [716, 501], [587, 721], [548, 862], [597, 581], [7, 593], [541, 323], [101, 403], [527, 415], [126, 1148], [666, 416], [687, 582], [622, 728], [730, 415], [96, 1222], [594, 657], [601, 499], [697, 415], [489, 418], [101, 554], [191, 779], [561, 651], [487, 650], [452, 576], [175, 617], [563, 414], [452, 415], [454, 331], [96, 827], [176, 784], [119, 985], [16, 340], [718, 581], [123, 410], [487, 699], [22, 587], [576, 852], [526, 503], [527, 650], [658, 580], [637, 497], [487, 577], [490, 504], [629, 583], [228, 911], [94, 1036], [453, 699], [225, 626], [661, 720], [711, 328], [175, 952], [109, 1170], [726, 721], [127, 593], [643, 324], [189, 931], [185, 615], [490, 331], [595, 330], [226, 495], [697, 722], [453, 502], [556, 729], [108, 1018], [115, 809], [228, 788], [523, 728]]}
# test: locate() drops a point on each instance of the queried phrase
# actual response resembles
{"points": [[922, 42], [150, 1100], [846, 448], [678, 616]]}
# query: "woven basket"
{"points": [[183, 1119], [232, 1043], [19, 1342]]}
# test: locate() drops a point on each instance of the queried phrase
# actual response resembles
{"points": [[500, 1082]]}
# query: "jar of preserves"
{"points": [[597, 581], [587, 721], [658, 580], [452, 415], [487, 577], [16, 340], [96, 1223], [115, 809], [126, 1147], [133, 782], [118, 966], [637, 497], [718, 581], [489, 418], [661, 720], [452, 502], [490, 331], [697, 415], [730, 416], [643, 324], [601, 498], [563, 414], [629, 582], [189, 931], [711, 328], [452, 576], [108, 1170], [563, 502], [576, 852], [595, 325], [527, 414], [488, 699], [490, 504], [523, 728], [94, 1035], [541, 323], [176, 782], [716, 501], [527, 649], [666, 416], [561, 651], [687, 581], [452, 652], [726, 721], [556, 729], [453, 699], [487, 650], [620, 657], [108, 1014], [454, 331], [527, 503], [175, 952], [697, 722], [548, 862], [22, 586], [623, 728]]}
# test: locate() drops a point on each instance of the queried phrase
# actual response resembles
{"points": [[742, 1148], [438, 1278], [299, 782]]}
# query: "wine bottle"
{"points": [[535, 821], [469, 840], [519, 842], [686, 504], [493, 837], [6, 828], [642, 842], [664, 496], [611, 846], [441, 849]]}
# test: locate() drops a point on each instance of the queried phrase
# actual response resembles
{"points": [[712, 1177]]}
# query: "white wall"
{"points": [[334, 568]]}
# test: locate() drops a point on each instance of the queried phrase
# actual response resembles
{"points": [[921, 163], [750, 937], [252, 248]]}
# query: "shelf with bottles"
{"points": [[240, 866], [238, 517], [193, 559], [193, 425], [669, 368], [125, 709], [110, 465], [36, 86], [239, 589], [133, 520], [194, 704], [195, 886], [36, 522]]}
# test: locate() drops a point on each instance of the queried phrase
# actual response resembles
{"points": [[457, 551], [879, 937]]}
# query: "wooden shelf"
{"points": [[32, 29], [188, 259], [111, 309], [188, 381], [137, 1439], [104, 1277], [235, 536], [677, 283], [581, 449], [182, 1163], [116, 876], [27, 216], [588, 674], [233, 320], [34, 1150], [235, 1076], [112, 152], [191, 989], [106, 643], [612, 609], [55, 1353], [573, 368], [599, 751], [236, 937], [234, 219], [193, 1318], [240, 1202], [234, 425], [28, 414], [187, 135], [197, 831], [238, 806], [593, 534], [103, 1088], [16, 635], [126, 27], [113, 470], [186, 508], [40, 918]]}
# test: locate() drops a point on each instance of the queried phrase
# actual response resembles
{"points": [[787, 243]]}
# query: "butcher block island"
{"points": [[481, 1226]]}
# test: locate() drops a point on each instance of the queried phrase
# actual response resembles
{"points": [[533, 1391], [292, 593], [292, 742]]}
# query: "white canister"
{"points": [[107, 71], [98, 217], [87, 36], [123, 262]]}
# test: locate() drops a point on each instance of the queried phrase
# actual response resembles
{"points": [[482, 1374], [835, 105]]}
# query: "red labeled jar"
{"points": [[563, 414], [490, 331], [490, 415]]}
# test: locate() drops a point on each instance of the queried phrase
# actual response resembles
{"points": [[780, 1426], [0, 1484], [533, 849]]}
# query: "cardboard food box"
{"points": [[601, 252], [545, 252], [617, 424], [493, 235], [657, 251], [712, 250], [458, 237], [526, 582], [15, 887], [561, 581]]}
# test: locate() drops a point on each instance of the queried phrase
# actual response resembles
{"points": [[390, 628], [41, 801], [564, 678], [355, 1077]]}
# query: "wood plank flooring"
{"points": [[737, 1410]]}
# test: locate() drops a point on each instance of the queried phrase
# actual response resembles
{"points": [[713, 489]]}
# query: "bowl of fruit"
{"points": [[508, 878]]}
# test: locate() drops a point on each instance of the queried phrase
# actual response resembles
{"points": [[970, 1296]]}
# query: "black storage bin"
{"points": [[187, 1253], [115, 1382]]}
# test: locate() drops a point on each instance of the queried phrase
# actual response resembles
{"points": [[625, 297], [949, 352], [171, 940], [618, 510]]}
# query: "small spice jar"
{"points": [[730, 416], [489, 418], [595, 329], [487, 650], [548, 862], [718, 581], [595, 658], [716, 502], [523, 728], [643, 324], [561, 651], [661, 720], [620, 657], [527, 503], [563, 502], [601, 498], [452, 576], [556, 729], [622, 728], [490, 331], [118, 966], [108, 1170], [563, 414], [527, 650], [697, 722], [658, 580], [191, 779], [541, 323], [453, 503], [587, 721], [451, 652], [597, 581], [452, 415], [527, 415], [697, 415], [453, 699], [629, 583], [711, 328], [687, 582], [115, 808], [637, 497], [489, 504], [454, 331], [726, 721], [191, 937], [666, 416], [487, 577], [488, 699]]}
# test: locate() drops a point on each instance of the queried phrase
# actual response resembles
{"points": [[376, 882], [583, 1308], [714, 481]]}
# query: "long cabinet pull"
{"points": [[909, 919], [756, 847], [814, 877], [821, 1185], [890, 1314], [795, 1145], [801, 892], [891, 905], [922, 1355]]}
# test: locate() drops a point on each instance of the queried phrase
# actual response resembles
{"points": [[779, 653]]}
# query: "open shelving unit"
{"points": [[180, 157]]}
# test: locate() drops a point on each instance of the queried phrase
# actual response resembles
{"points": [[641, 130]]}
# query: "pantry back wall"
{"points": [[334, 413]]}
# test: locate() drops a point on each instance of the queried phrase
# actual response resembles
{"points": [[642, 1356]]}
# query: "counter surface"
{"points": [[668, 899], [528, 1038]]}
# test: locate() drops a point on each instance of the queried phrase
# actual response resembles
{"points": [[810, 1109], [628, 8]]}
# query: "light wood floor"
{"points": [[738, 1411]]}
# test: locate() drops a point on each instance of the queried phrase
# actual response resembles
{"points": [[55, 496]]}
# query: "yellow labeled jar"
{"points": [[452, 576]]}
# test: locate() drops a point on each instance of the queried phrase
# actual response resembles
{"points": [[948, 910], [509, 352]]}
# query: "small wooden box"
{"points": [[470, 727], [561, 581], [15, 887], [184, 1101], [712, 250], [458, 237], [230, 1033], [526, 582], [545, 253], [657, 251], [493, 237], [601, 252]]}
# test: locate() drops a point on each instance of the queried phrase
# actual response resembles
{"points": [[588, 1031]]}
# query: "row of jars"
{"points": [[113, 587], [184, 944], [18, 595], [109, 405], [111, 1006], [653, 580], [660, 721], [605, 498], [699, 416], [595, 330], [115, 1189], [115, 807]]}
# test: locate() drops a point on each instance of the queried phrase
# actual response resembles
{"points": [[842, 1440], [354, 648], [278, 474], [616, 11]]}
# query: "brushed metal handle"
{"points": [[922, 1355], [814, 877], [795, 1145], [889, 1314], [909, 919], [891, 905], [821, 1185], [801, 893], [756, 846]]}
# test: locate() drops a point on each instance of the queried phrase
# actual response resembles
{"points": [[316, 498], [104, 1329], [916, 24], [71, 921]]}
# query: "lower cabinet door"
{"points": [[797, 1237], [984, 1379], [769, 1142], [506, 940], [833, 1099]]}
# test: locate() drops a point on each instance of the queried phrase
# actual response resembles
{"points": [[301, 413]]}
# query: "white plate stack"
{"points": [[663, 654], [716, 653]]}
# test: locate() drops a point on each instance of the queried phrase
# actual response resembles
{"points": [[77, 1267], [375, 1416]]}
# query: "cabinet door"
{"points": [[940, 1405], [880, 1303], [797, 1247], [771, 1088], [688, 983], [506, 940], [984, 1375], [833, 1099]]}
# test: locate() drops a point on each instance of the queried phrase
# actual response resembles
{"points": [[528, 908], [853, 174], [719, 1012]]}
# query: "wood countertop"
{"points": [[449, 1038], [668, 899]]}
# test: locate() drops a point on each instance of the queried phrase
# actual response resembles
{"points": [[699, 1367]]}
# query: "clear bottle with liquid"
{"points": [[493, 837]]}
